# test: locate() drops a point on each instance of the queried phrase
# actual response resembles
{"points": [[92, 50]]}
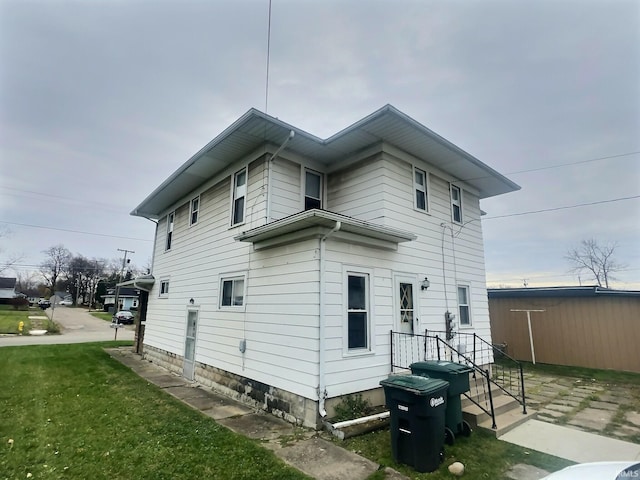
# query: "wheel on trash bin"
{"points": [[466, 428], [449, 436]]}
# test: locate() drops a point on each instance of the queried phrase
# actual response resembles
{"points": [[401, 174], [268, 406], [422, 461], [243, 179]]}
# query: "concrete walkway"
{"points": [[299, 447], [579, 420], [572, 444]]}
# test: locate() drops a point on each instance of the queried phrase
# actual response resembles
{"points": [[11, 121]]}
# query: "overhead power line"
{"points": [[548, 167], [76, 231], [562, 208]]}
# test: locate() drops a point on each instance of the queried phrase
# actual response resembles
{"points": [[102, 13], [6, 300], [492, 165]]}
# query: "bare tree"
{"points": [[596, 260], [57, 260]]}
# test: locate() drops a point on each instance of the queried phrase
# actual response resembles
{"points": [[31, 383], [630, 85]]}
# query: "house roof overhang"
{"points": [[317, 224], [143, 282], [255, 130]]}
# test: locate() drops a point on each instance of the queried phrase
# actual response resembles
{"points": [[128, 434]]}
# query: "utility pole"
{"points": [[124, 262]]}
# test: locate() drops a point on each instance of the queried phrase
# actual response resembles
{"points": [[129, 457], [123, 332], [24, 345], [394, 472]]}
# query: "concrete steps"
{"points": [[507, 409]]}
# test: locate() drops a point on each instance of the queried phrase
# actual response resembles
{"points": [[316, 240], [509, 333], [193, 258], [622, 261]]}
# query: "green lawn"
{"points": [[484, 456], [74, 413], [10, 318], [103, 315]]}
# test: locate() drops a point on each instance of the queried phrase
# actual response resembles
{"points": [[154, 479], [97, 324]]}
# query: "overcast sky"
{"points": [[100, 101]]}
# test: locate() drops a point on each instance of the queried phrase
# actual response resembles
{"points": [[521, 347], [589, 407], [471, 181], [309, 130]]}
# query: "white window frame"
{"points": [[163, 288], [233, 278], [238, 192], [467, 288], [304, 189], [171, 222], [456, 203], [134, 303], [425, 189], [194, 201], [367, 274]]}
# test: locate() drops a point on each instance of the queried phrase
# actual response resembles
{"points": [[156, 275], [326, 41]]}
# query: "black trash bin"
{"points": [[458, 377], [417, 407]]}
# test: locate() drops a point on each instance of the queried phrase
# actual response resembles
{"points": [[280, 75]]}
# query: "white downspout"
{"points": [[269, 171], [321, 386]]}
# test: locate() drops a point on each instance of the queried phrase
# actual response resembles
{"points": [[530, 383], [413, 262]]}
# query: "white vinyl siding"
{"points": [[285, 188], [280, 316]]}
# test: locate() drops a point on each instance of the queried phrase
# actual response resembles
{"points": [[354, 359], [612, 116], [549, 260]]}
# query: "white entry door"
{"points": [[405, 304], [190, 344], [406, 347]]}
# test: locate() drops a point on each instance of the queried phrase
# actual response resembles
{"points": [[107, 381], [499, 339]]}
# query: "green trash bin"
{"points": [[417, 408], [458, 377]]}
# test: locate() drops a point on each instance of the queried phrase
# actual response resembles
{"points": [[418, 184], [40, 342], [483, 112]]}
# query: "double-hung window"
{"points": [[358, 311], [170, 220], [195, 208], [463, 306], [232, 292], [239, 194], [420, 187], [312, 190], [456, 204], [164, 288]]}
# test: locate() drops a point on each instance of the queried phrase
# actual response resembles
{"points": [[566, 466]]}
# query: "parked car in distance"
{"points": [[123, 316], [66, 302], [44, 304]]}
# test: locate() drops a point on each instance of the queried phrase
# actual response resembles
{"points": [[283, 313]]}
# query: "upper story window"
{"points": [[463, 306], [456, 204], [358, 311], [195, 208], [239, 194], [312, 190], [170, 220], [420, 179], [232, 292]]}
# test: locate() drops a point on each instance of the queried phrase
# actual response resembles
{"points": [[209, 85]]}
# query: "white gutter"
{"points": [[322, 393]]}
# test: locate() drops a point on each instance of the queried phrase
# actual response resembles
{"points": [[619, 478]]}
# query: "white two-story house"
{"points": [[283, 261]]}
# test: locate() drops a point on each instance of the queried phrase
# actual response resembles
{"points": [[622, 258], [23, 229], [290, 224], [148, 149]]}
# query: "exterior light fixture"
{"points": [[425, 284], [192, 301]]}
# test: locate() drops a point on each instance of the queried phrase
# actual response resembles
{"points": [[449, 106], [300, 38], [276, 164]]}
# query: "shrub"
{"points": [[20, 303], [352, 406]]}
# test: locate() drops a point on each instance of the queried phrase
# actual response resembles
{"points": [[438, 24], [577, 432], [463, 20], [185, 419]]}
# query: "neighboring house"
{"points": [[128, 299], [283, 261], [591, 327], [7, 289]]}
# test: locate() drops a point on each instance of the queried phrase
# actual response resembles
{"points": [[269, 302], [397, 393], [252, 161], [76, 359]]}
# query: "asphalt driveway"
{"points": [[76, 326]]}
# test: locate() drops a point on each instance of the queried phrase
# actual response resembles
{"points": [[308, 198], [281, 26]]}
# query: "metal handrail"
{"points": [[416, 347], [520, 397]]}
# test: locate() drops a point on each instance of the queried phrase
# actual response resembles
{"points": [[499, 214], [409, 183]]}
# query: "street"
{"points": [[76, 326]]}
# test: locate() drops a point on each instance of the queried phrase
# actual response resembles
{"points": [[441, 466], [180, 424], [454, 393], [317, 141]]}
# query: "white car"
{"points": [[66, 302], [598, 471]]}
